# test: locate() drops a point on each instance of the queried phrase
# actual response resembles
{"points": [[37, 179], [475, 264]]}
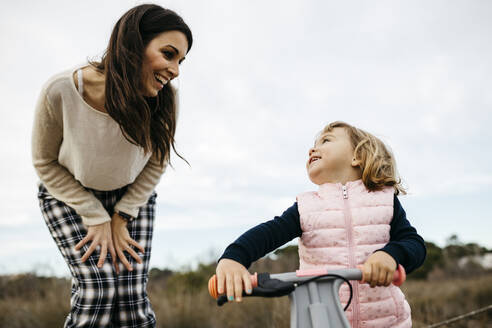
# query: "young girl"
{"points": [[102, 137], [353, 219]]}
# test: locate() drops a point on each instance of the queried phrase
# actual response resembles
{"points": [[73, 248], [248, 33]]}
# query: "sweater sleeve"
{"points": [[47, 137], [139, 191], [265, 237], [406, 246]]}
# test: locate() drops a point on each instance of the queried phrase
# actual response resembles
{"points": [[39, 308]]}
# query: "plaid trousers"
{"points": [[100, 297]]}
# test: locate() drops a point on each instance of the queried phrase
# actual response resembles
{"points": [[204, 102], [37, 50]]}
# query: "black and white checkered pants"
{"points": [[100, 297]]}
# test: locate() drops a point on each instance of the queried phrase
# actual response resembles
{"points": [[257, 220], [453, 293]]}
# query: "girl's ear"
{"points": [[355, 162]]}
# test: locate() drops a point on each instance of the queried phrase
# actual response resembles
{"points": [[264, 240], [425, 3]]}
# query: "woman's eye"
{"points": [[168, 54], [325, 140]]}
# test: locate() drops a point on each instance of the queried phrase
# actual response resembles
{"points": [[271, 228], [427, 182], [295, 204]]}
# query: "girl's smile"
{"points": [[331, 160], [313, 159]]}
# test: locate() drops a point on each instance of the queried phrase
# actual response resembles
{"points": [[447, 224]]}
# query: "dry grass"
{"points": [[181, 300], [439, 299], [31, 301]]}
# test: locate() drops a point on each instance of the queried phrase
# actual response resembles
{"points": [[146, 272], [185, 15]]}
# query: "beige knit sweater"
{"points": [[75, 147]]}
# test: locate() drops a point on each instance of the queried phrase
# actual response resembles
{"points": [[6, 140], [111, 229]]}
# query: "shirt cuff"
{"points": [[395, 252], [125, 216], [234, 252]]}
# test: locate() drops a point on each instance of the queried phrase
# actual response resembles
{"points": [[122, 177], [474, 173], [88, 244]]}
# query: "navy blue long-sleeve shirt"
{"points": [[406, 246]]}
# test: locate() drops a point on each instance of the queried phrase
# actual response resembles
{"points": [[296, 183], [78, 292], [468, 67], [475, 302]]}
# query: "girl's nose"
{"points": [[311, 150]]}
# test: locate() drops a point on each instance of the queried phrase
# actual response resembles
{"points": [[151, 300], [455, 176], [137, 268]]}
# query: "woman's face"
{"points": [[162, 58]]}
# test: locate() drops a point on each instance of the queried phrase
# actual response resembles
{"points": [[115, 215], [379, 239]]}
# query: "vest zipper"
{"points": [[352, 262]]}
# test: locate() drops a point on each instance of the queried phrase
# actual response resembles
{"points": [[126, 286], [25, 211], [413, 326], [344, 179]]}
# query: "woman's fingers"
{"points": [[123, 243], [123, 259], [133, 254], [122, 246], [98, 235], [91, 249], [137, 245], [81, 243], [113, 258], [102, 256]]}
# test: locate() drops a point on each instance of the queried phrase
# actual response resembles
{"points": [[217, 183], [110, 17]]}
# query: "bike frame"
{"points": [[314, 300], [316, 304]]}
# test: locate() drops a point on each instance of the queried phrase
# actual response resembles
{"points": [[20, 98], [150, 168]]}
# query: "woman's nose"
{"points": [[174, 70], [311, 150]]}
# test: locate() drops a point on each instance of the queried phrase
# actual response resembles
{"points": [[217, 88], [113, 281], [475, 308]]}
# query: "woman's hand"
{"points": [[99, 235], [123, 242], [378, 270], [235, 276]]}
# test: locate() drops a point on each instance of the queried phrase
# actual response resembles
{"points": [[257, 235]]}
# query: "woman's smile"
{"points": [[161, 80]]}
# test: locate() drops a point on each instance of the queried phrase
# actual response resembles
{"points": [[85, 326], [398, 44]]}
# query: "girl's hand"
{"points": [[378, 270], [235, 276], [123, 242], [100, 235]]}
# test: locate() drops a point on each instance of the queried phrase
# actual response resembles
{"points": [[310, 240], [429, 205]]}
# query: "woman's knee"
{"points": [[96, 285]]}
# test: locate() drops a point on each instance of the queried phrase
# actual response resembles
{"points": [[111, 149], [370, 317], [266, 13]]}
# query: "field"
{"points": [[180, 299]]}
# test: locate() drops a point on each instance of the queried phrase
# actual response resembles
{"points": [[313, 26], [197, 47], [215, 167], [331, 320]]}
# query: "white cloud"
{"points": [[261, 80]]}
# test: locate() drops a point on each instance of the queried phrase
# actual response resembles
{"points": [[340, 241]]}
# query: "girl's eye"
{"points": [[325, 140]]}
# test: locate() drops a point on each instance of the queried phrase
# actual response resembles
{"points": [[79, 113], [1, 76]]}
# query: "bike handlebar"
{"points": [[268, 289]]}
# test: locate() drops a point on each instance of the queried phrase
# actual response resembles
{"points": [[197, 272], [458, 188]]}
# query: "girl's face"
{"points": [[162, 58], [331, 160]]}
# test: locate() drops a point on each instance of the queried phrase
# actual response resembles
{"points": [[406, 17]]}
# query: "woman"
{"points": [[101, 140]]}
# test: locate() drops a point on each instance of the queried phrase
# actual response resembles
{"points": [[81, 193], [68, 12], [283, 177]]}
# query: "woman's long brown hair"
{"points": [[149, 122]]}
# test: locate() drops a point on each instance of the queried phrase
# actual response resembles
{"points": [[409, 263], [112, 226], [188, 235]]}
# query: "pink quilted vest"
{"points": [[341, 227]]}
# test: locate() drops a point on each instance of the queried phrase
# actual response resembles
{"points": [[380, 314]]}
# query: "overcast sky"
{"points": [[262, 78]]}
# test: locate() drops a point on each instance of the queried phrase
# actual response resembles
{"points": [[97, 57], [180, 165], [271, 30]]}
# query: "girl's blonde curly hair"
{"points": [[377, 163]]}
